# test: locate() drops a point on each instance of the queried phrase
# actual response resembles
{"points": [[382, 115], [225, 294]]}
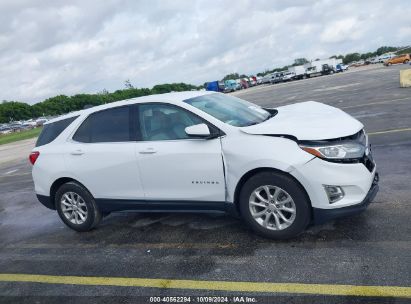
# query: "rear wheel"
{"points": [[274, 205], [406, 61], [76, 207]]}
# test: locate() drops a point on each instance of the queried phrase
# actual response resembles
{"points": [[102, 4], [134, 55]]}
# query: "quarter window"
{"points": [[112, 125], [165, 122], [52, 130]]}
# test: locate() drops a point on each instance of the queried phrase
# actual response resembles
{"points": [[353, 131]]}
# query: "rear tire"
{"points": [[406, 61], [77, 207], [285, 196]]}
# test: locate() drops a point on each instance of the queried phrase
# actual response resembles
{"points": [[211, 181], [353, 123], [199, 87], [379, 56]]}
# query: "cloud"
{"points": [[342, 30], [56, 47]]}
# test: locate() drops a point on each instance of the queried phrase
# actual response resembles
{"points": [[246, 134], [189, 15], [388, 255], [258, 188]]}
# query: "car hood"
{"points": [[308, 120]]}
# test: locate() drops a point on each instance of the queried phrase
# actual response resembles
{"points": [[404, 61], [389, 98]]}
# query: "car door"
{"points": [[174, 166], [102, 155]]}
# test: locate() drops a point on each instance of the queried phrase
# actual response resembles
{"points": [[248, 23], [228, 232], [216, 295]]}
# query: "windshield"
{"points": [[229, 109]]}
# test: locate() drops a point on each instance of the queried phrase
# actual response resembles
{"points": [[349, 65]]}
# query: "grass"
{"points": [[12, 137]]}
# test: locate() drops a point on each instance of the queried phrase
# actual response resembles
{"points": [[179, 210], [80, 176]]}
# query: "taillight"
{"points": [[33, 156]]}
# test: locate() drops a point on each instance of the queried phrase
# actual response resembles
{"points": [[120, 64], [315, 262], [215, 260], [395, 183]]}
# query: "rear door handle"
{"points": [[148, 151], [77, 152]]}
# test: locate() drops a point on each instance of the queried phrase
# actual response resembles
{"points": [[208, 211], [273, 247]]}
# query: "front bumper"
{"points": [[321, 216]]}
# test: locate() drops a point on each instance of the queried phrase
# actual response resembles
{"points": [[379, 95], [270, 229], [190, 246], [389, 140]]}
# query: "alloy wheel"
{"points": [[74, 208], [272, 207]]}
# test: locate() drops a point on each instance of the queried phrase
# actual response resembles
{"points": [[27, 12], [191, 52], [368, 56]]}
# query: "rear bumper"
{"points": [[321, 216]]}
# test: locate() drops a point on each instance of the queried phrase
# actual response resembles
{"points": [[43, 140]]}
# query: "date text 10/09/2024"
{"points": [[199, 299]]}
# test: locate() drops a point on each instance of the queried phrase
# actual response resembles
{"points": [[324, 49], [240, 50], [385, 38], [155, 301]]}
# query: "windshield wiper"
{"points": [[258, 122], [269, 116]]}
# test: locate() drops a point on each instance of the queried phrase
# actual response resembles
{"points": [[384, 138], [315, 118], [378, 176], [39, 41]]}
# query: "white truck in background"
{"points": [[321, 67], [298, 71]]}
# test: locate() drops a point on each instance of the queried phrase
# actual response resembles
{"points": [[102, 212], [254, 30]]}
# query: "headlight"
{"points": [[337, 151]]}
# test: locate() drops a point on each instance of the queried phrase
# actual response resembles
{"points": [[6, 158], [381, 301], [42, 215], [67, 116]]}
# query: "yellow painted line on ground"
{"points": [[376, 102], [389, 131], [294, 288]]}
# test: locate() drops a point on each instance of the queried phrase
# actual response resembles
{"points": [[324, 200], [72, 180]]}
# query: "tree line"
{"points": [[61, 104]]}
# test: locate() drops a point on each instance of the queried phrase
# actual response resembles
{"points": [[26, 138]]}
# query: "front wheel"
{"points": [[76, 207], [274, 205]]}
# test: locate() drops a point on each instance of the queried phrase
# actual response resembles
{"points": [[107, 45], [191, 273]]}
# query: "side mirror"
{"points": [[200, 130]]}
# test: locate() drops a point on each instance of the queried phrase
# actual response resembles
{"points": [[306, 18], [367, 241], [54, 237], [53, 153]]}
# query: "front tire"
{"points": [[274, 205], [77, 207]]}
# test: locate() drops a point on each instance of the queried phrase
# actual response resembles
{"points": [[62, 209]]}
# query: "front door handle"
{"points": [[148, 151], [77, 152]]}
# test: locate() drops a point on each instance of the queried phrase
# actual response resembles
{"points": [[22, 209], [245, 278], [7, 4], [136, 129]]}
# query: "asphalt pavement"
{"points": [[370, 249]]}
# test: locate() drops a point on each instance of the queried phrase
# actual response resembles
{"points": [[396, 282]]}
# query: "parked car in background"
{"points": [[384, 57], [374, 60], [5, 130], [341, 68], [259, 80], [357, 63], [239, 86], [245, 84], [277, 77], [252, 80], [282, 168], [40, 121], [404, 58], [16, 126], [267, 78], [31, 123], [288, 76], [230, 85]]}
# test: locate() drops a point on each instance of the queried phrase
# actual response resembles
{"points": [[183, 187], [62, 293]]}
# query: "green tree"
{"points": [[299, 61], [11, 111], [386, 49], [231, 76], [351, 57], [63, 104]]}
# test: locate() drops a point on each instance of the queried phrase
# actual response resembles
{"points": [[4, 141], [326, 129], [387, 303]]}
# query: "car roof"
{"points": [[173, 98]]}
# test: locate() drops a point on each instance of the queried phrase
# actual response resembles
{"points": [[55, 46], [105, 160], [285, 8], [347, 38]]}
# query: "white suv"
{"points": [[280, 169]]}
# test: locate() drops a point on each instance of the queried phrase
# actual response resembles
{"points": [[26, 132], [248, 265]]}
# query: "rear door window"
{"points": [[112, 125], [52, 130]]}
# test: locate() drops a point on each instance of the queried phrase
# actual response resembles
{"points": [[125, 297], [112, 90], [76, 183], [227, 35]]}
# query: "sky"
{"points": [[52, 47]]}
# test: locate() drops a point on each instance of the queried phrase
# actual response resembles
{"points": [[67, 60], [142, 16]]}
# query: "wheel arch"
{"points": [[255, 171], [58, 183]]}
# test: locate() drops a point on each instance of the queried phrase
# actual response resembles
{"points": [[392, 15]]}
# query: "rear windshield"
{"points": [[52, 130]]}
